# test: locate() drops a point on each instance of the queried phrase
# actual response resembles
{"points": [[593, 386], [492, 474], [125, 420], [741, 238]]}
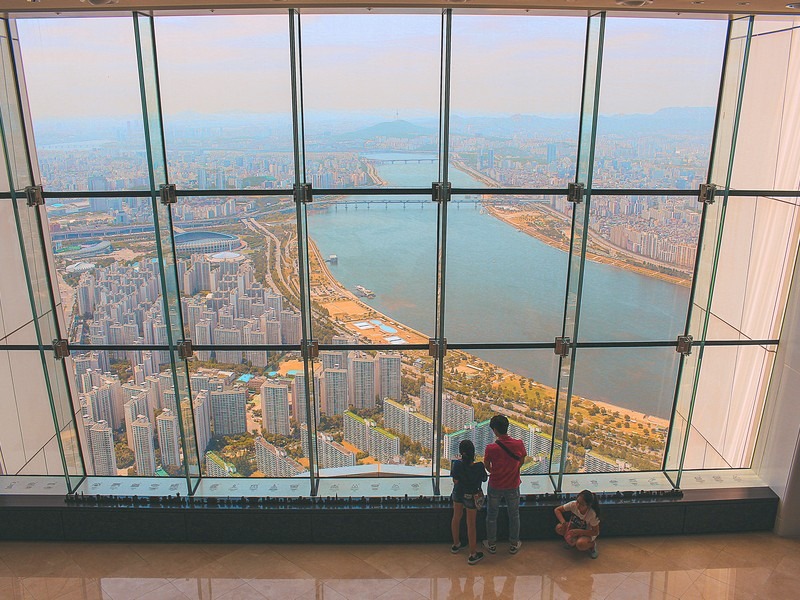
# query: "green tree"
{"points": [[124, 455]]}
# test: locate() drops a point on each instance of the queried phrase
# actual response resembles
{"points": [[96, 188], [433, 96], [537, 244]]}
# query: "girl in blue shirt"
{"points": [[468, 476]]}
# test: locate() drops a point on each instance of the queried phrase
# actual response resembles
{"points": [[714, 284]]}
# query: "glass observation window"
{"points": [[658, 94], [226, 96], [306, 256]]}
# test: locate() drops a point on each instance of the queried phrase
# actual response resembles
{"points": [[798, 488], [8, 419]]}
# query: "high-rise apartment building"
{"points": [[455, 415], [134, 407], [169, 439], [362, 381], [275, 462], [275, 407], [101, 440], [405, 419], [228, 414], [143, 447], [217, 467], [388, 377], [334, 391], [365, 435]]}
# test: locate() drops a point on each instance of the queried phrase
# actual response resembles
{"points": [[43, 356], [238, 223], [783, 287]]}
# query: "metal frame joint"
{"points": [[303, 193], [684, 345], [562, 345], [575, 192], [311, 349], [434, 344], [441, 191], [185, 349], [34, 195], [168, 193], [707, 193], [60, 348]]}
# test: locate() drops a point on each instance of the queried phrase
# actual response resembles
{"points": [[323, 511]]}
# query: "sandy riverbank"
{"points": [[347, 309], [372, 173]]}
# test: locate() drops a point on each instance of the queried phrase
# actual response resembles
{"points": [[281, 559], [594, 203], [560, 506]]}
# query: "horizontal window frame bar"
{"points": [[776, 193], [182, 193], [396, 347], [411, 191]]}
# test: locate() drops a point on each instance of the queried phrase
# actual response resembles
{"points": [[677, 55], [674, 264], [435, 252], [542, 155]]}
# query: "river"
{"points": [[505, 286]]}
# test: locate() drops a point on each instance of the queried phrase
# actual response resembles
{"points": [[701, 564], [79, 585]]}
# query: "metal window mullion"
{"points": [[155, 199], [298, 148], [595, 100], [441, 243]]}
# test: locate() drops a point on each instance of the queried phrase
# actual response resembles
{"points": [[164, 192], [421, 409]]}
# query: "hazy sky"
{"points": [[386, 65]]}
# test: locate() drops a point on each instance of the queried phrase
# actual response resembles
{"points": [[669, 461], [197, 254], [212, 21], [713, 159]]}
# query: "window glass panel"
{"points": [[640, 260], [726, 417], [27, 424], [246, 415], [129, 413], [13, 133], [374, 412], [371, 98], [621, 405], [767, 100], [659, 89], [84, 95], [30, 232], [15, 304], [506, 267], [515, 98], [759, 244], [107, 263], [373, 267], [239, 285], [519, 384], [225, 91]]}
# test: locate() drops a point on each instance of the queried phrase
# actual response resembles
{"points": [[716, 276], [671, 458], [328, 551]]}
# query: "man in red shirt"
{"points": [[503, 460]]}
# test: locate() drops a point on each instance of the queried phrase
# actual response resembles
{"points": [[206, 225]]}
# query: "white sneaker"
{"points": [[514, 548]]}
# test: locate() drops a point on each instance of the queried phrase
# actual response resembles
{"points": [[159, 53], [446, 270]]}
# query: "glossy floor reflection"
{"points": [[731, 567]]}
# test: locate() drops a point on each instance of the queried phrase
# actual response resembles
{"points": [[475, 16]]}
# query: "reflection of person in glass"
{"points": [[583, 527], [468, 476]]}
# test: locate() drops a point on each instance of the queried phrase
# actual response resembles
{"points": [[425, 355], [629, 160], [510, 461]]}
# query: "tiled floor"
{"points": [[730, 567]]}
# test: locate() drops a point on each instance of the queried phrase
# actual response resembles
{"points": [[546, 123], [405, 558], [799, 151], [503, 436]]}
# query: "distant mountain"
{"points": [[664, 121], [396, 129], [514, 125]]}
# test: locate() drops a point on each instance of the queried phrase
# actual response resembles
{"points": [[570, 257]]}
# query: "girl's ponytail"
{"points": [[592, 501]]}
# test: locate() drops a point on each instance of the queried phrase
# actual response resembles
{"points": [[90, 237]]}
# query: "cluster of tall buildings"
{"points": [[661, 228], [121, 306], [146, 410], [480, 434], [365, 435], [233, 309], [330, 453], [354, 378]]}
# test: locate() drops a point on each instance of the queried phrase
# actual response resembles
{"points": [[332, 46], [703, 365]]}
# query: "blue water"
{"points": [[505, 286]]}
